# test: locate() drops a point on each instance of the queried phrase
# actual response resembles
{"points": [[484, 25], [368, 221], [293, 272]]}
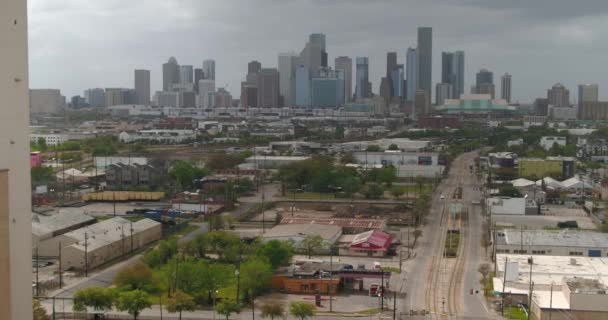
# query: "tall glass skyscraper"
{"points": [[425, 59], [452, 72], [302, 86], [411, 66], [319, 40], [362, 85], [324, 92], [397, 81]]}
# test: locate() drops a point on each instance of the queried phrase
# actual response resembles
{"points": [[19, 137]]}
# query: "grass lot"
{"points": [[488, 284], [515, 313], [310, 195]]}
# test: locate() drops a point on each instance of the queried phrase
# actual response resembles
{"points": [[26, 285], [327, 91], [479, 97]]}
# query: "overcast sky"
{"points": [[80, 44]]}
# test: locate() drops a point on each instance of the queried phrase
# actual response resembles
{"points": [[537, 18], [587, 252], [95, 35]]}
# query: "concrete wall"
{"points": [[50, 247], [16, 295]]}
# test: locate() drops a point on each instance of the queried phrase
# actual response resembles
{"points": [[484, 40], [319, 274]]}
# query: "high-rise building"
{"points": [[209, 69], [95, 97], [198, 75], [587, 93], [558, 96], [167, 99], [324, 92], [303, 86], [170, 74], [391, 63], [47, 101], [484, 83], [142, 86], [287, 77], [268, 88], [452, 72], [319, 40], [385, 90], [187, 99], [249, 95], [411, 69], [541, 106], [425, 59], [341, 80], [254, 67], [114, 97], [206, 88], [311, 56], [397, 82], [505, 87], [223, 98], [443, 91], [422, 103], [15, 199], [362, 88], [186, 74], [593, 110], [346, 65]]}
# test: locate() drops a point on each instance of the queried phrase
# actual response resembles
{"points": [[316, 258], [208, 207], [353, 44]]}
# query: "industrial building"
{"points": [[573, 298], [47, 230], [511, 206], [102, 242], [562, 167], [552, 242], [407, 164], [269, 162]]}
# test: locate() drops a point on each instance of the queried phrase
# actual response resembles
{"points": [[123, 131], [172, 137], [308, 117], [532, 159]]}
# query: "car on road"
{"points": [[441, 197]]}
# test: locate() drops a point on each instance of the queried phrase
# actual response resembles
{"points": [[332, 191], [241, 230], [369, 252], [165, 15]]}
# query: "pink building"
{"points": [[35, 159]]}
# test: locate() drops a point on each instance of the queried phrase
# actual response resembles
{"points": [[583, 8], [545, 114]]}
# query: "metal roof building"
{"points": [[552, 242]]}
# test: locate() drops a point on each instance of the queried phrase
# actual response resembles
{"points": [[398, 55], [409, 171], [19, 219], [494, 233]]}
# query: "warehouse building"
{"points": [[104, 241], [48, 231], [552, 242]]}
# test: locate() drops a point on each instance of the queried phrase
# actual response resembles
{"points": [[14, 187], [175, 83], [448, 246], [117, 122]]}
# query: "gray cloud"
{"points": [[78, 44]]}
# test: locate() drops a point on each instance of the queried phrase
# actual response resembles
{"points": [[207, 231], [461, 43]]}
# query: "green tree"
{"points": [[216, 223], [184, 173], [373, 191], [227, 307], [279, 253], [272, 309], [311, 244], [42, 175], [133, 302], [100, 299], [224, 161], [180, 302], [339, 133], [167, 249], [301, 310], [136, 277], [373, 148], [41, 144], [223, 243], [39, 311], [256, 275], [397, 192], [199, 245], [393, 147], [509, 191]]}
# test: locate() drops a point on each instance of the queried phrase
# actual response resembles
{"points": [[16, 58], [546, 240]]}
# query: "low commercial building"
{"points": [[35, 159], [46, 101], [107, 240], [564, 242], [47, 230], [373, 243], [563, 167], [309, 278], [296, 233], [511, 206], [548, 142], [349, 226], [403, 144], [51, 139], [128, 175], [272, 162], [158, 136], [503, 159], [407, 164], [104, 162], [573, 298]]}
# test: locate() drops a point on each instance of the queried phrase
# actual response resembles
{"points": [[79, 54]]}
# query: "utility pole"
{"points": [[331, 283], [37, 266], [531, 262], [394, 305], [60, 268], [86, 254], [504, 285], [382, 291], [551, 302], [131, 223]]}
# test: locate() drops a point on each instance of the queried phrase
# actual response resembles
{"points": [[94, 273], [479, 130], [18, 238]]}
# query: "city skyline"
{"points": [[135, 44]]}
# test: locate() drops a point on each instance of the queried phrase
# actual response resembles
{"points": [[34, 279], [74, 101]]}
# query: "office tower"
{"points": [[312, 56], [362, 89], [206, 87], [198, 75], [391, 64], [268, 88], [249, 95], [95, 97], [209, 69], [129, 96], [187, 99], [341, 80], [484, 83], [425, 59], [385, 90], [167, 99], [223, 98], [254, 67], [411, 65], [170, 74], [142, 86], [287, 77], [593, 110], [452, 72], [15, 198], [558, 96], [319, 40], [587, 93], [324, 92], [505, 87], [114, 97], [422, 103], [46, 101], [541, 106], [303, 86], [397, 82], [346, 65], [186, 74], [443, 91]]}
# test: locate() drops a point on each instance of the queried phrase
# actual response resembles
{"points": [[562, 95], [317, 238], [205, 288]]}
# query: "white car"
{"points": [[441, 197]]}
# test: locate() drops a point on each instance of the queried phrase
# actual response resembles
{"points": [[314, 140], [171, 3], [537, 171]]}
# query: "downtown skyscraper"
{"points": [[170, 74], [411, 70], [287, 77], [505, 87], [425, 59], [209, 69], [142, 86], [362, 74], [452, 72], [346, 65]]}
